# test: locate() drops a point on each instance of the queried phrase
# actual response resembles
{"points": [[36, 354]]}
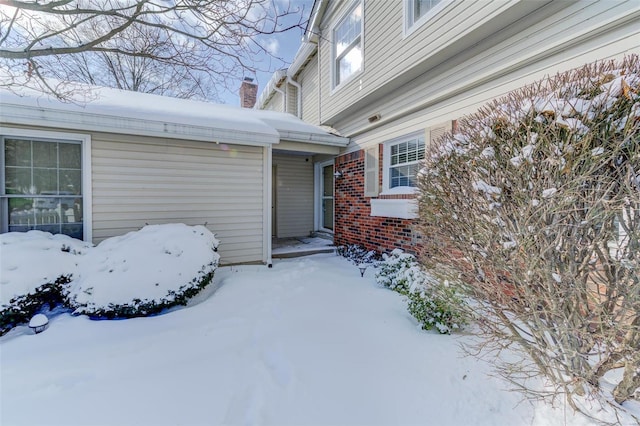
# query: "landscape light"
{"points": [[38, 323]]}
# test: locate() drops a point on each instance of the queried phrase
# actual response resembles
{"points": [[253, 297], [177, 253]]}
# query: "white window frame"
{"points": [[411, 24], [335, 58], [85, 142], [386, 164]]}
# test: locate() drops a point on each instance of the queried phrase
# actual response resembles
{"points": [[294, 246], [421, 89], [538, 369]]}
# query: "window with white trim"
{"points": [[402, 159], [415, 10], [42, 185], [347, 42]]}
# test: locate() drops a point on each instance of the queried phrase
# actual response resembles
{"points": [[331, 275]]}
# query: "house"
{"points": [[106, 162], [394, 75]]}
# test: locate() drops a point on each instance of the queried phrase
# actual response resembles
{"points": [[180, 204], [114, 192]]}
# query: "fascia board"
{"points": [[275, 81], [302, 55], [314, 138], [74, 120]]}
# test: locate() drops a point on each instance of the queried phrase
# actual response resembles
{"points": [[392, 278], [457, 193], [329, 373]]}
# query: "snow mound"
{"points": [[144, 271], [137, 274], [32, 259]]}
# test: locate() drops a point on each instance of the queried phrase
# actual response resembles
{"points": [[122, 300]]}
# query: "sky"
{"points": [[284, 45]]}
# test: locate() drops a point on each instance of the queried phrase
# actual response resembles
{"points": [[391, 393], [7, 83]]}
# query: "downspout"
{"points": [[267, 163], [319, 85], [298, 95]]}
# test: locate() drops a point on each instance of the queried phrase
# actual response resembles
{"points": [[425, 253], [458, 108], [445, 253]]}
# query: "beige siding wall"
{"points": [[294, 195], [448, 94], [275, 103], [508, 54], [387, 52], [144, 180], [292, 99], [308, 79]]}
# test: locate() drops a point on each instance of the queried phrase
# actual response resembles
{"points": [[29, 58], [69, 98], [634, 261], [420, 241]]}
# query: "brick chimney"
{"points": [[248, 93]]}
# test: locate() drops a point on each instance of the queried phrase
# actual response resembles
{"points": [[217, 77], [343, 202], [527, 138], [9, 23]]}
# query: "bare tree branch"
{"points": [[219, 41]]}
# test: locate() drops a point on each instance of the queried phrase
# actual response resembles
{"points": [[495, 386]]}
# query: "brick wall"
{"points": [[353, 222]]}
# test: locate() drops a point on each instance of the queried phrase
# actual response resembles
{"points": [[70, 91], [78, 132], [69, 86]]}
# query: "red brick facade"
{"points": [[353, 221]]}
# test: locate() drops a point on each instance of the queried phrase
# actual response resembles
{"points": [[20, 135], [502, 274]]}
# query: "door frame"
{"points": [[274, 201], [317, 197]]}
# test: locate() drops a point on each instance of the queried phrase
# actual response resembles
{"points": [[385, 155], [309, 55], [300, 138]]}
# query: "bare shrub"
{"points": [[535, 204]]}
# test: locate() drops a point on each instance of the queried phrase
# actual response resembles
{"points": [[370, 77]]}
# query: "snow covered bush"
{"points": [[19, 309], [144, 272], [535, 203], [138, 274], [432, 303], [358, 254], [401, 272], [437, 306], [33, 268]]}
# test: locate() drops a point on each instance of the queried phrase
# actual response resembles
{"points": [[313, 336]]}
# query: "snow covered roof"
{"points": [[119, 111]]}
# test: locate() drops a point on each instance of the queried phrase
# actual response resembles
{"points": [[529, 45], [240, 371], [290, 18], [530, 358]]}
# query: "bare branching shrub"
{"points": [[535, 204]]}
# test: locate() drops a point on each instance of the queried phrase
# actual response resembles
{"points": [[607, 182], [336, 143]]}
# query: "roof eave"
{"points": [[17, 114], [314, 138], [275, 81], [317, 12], [306, 50]]}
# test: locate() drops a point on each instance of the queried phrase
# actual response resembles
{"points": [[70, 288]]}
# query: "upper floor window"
{"points": [[402, 159], [347, 40], [417, 9]]}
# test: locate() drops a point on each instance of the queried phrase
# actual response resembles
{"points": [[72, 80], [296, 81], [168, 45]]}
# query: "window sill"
{"points": [[346, 81], [398, 208], [400, 190]]}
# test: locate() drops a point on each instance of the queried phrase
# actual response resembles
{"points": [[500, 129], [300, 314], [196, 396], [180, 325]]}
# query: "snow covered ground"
{"points": [[306, 342]]}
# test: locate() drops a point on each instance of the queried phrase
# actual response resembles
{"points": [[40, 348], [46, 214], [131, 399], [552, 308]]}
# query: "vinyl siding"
{"points": [[275, 103], [402, 71], [143, 180], [292, 99], [308, 79], [387, 53], [294, 195], [394, 53], [541, 45]]}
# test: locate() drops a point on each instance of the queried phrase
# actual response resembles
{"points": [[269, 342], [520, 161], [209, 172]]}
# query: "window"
{"points": [[402, 161], [347, 41], [42, 185], [417, 9]]}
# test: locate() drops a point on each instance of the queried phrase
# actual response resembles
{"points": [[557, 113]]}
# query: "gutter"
{"points": [[316, 138], [274, 81], [311, 33], [303, 54], [91, 122], [305, 51]]}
